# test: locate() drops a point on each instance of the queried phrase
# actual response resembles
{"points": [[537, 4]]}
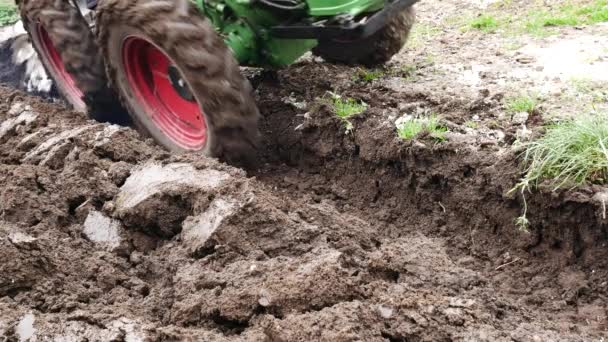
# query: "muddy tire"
{"points": [[69, 53], [375, 50], [176, 31]]}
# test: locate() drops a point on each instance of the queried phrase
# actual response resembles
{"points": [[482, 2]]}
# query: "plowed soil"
{"points": [[338, 234]]}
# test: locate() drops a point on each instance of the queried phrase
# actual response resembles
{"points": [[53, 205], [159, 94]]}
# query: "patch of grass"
{"points": [[522, 103], [413, 128], [367, 75], [595, 91], [540, 20], [568, 14], [596, 12], [485, 23], [8, 14], [537, 21], [346, 108], [573, 152], [405, 71]]}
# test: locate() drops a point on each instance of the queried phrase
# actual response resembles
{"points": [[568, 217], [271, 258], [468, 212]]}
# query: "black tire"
{"points": [[76, 45], [205, 63], [374, 50]]}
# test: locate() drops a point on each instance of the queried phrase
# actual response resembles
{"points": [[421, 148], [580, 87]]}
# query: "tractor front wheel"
{"points": [[67, 48], [178, 79], [374, 50]]}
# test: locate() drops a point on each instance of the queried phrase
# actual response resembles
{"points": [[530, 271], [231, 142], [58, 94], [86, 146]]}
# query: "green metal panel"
{"points": [[283, 52], [319, 8], [244, 27]]}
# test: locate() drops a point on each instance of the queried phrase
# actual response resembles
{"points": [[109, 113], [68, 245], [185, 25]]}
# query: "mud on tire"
{"points": [[75, 43], [375, 50], [205, 63]]}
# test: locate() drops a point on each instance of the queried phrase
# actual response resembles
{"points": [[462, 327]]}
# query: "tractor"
{"points": [[171, 68]]}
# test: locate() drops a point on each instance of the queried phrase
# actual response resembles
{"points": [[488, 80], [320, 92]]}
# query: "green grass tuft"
{"points": [[347, 108], [522, 103], [366, 75], [8, 14], [573, 152], [485, 23], [411, 129]]}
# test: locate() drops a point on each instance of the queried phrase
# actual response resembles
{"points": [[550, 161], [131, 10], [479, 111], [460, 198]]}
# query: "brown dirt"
{"points": [[343, 237], [337, 236]]}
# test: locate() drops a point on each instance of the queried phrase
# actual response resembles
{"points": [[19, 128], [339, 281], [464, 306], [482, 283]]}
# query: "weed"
{"points": [[344, 108], [8, 14], [366, 75], [347, 108], [596, 91], [412, 128], [522, 103], [571, 153], [405, 71], [485, 23]]}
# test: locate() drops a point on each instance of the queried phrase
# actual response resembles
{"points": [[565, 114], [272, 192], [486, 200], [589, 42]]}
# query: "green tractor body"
{"points": [[262, 36], [171, 67]]}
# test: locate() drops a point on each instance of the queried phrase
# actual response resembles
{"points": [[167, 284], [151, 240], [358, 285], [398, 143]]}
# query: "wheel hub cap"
{"points": [[164, 94]]}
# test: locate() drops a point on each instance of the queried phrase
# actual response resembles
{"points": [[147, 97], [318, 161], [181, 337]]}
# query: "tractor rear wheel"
{"points": [[374, 50], [67, 49], [180, 82]]}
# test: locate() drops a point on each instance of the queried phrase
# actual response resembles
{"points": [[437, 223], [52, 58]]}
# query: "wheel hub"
{"points": [[164, 94], [179, 84]]}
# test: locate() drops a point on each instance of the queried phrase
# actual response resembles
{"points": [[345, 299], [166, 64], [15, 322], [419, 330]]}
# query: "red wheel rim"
{"points": [[177, 116], [61, 74]]}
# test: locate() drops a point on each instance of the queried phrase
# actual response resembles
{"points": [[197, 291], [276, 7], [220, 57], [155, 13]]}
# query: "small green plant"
{"points": [[366, 75], [571, 153], [522, 103], [408, 71], [485, 23], [346, 108], [412, 128], [8, 14]]}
